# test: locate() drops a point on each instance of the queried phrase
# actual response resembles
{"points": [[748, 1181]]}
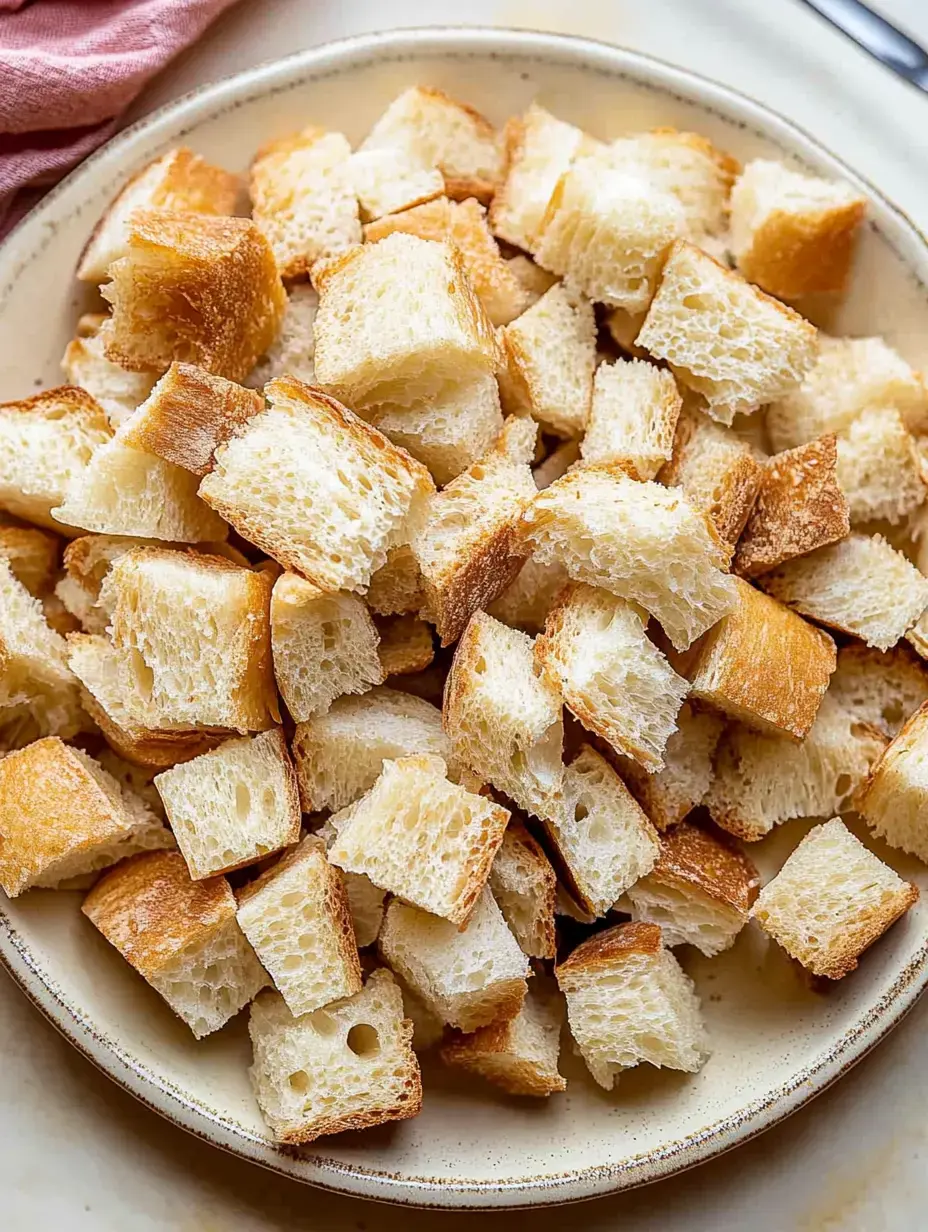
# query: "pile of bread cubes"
{"points": [[441, 543]]}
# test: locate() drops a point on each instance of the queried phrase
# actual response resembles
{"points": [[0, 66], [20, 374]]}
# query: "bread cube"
{"points": [[628, 1001], [193, 288], [763, 665], [504, 722], [421, 837], [650, 547], [529, 597], [831, 900], [233, 805], [850, 375], [723, 338], [32, 556], [63, 816], [47, 441], [535, 281], [525, 886], [177, 180], [860, 585], [603, 840], [539, 151], [894, 800], [117, 390], [519, 1055], [389, 180], [469, 544], [303, 199], [193, 632], [882, 688], [291, 353], [396, 587], [406, 647], [397, 320], [879, 468], [793, 234], [366, 902], [633, 416], [341, 496], [700, 891], [800, 507], [672, 793], [550, 356], [348, 1066], [468, 977], [761, 781]]}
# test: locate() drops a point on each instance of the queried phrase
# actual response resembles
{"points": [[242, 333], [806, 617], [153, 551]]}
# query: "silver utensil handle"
{"points": [[877, 36]]}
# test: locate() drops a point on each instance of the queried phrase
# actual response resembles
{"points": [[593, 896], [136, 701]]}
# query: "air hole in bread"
{"points": [[299, 1081], [321, 1022], [242, 801], [843, 785], [143, 675], [363, 1040]]}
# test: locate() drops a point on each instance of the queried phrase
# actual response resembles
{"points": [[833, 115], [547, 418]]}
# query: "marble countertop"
{"points": [[80, 1154]]}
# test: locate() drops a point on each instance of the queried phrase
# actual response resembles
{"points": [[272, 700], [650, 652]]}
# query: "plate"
{"points": [[777, 1042]]}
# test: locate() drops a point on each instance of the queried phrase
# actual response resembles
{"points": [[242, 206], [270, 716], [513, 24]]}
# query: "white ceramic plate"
{"points": [[776, 1042]]}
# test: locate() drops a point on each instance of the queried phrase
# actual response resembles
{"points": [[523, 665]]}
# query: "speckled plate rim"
{"points": [[112, 1056]]}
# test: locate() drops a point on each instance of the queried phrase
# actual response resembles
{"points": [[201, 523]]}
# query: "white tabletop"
{"points": [[78, 1153]]}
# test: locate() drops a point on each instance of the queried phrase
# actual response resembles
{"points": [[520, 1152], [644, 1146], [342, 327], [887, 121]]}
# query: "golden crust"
{"points": [[909, 735], [158, 750], [544, 905], [69, 398], [490, 1052], [452, 598], [803, 253], [406, 645], [32, 555], [611, 946], [691, 856]]}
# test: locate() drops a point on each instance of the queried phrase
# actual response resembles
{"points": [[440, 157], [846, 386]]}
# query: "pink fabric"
{"points": [[68, 69]]}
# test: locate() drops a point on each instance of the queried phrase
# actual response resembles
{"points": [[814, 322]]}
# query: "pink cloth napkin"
{"points": [[68, 69]]}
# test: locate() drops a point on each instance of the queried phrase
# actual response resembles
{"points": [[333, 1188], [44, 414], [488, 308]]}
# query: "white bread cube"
{"points": [[761, 781], [303, 199], [177, 180], [633, 417], [672, 793], [800, 507], [700, 891], [422, 837], [468, 977], [831, 900], [32, 555], [396, 587], [595, 652], [628, 1001], [860, 585], [505, 723], [793, 234], [233, 805], [539, 151], [550, 356], [193, 288], [324, 645], [529, 597], [341, 497], [348, 1066], [397, 320], [603, 840], [519, 1055], [366, 902], [720, 473], [63, 816], [406, 646], [339, 755], [469, 543], [882, 688], [850, 375], [650, 546], [194, 634], [117, 390], [880, 469], [387, 180], [763, 665], [291, 353], [297, 919], [723, 338], [525, 887], [46, 442], [894, 800], [180, 935]]}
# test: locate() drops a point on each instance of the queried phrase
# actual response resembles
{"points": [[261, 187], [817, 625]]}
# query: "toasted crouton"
{"points": [[519, 1055], [87, 561], [793, 234], [700, 891], [860, 585], [831, 900], [116, 389], [763, 352], [291, 353], [366, 902], [669, 795], [800, 507], [894, 799], [761, 781], [505, 723], [422, 837], [529, 597], [32, 556], [406, 646], [550, 357], [595, 652], [525, 886], [303, 199], [63, 816], [633, 416], [650, 546], [193, 288], [388, 180], [469, 544], [763, 665], [880, 469], [468, 977], [882, 688], [628, 1001], [178, 180]]}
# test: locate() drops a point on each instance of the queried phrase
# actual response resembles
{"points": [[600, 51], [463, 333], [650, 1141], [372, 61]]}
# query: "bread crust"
{"points": [[611, 946], [810, 252], [531, 851], [692, 857], [478, 1053]]}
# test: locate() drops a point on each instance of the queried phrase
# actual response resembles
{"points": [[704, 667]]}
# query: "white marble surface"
{"points": [[77, 1153]]}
